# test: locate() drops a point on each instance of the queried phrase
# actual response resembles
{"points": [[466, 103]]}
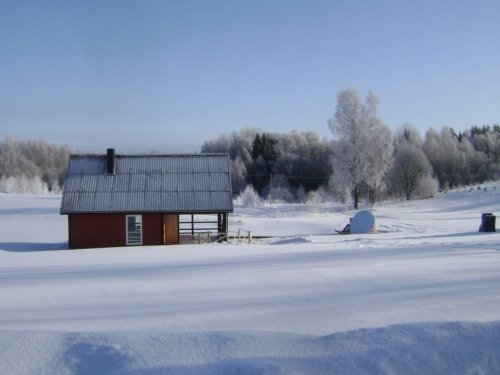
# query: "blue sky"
{"points": [[167, 75]]}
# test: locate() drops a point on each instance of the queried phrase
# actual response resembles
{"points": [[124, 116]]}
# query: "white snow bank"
{"points": [[292, 241], [426, 348]]}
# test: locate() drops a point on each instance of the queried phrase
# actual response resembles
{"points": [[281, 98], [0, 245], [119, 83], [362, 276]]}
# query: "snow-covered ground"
{"points": [[420, 296]]}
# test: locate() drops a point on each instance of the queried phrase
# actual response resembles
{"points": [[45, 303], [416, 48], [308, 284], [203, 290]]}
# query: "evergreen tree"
{"points": [[264, 156]]}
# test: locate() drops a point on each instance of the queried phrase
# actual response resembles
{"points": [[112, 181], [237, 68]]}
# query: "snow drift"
{"points": [[441, 348]]}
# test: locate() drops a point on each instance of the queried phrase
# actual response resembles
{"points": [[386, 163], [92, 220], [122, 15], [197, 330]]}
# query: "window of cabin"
{"points": [[134, 229]]}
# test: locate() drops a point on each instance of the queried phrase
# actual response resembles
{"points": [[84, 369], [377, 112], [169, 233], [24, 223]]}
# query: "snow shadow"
{"points": [[22, 247], [449, 235], [30, 211], [90, 357], [292, 241]]}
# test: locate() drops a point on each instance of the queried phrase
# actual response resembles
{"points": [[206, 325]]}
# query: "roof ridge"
{"points": [[155, 155]]}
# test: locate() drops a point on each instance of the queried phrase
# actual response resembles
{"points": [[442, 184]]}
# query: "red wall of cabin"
{"points": [[108, 230], [152, 229]]}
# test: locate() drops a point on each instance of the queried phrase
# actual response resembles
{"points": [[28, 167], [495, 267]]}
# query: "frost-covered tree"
{"points": [[238, 175], [362, 146], [298, 161], [443, 153], [14, 162], [411, 172], [23, 184], [409, 169], [486, 139], [460, 159], [305, 160], [34, 159], [481, 148], [407, 134], [238, 145]]}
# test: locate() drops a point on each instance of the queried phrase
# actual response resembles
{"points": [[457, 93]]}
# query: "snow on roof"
{"points": [[198, 183]]}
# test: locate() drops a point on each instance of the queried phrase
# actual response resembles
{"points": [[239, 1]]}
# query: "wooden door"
{"points": [[170, 229]]}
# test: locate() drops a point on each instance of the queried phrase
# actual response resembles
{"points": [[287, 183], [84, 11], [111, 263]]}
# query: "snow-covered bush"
{"points": [[55, 188], [249, 198], [281, 195], [300, 194], [23, 184], [427, 187], [317, 197]]}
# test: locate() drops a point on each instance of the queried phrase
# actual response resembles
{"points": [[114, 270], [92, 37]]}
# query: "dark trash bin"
{"points": [[488, 223]]}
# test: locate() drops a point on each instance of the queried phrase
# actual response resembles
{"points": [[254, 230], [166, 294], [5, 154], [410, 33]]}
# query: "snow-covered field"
{"points": [[421, 296]]}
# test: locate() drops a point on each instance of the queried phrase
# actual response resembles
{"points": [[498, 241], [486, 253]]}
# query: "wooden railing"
{"points": [[240, 236]]}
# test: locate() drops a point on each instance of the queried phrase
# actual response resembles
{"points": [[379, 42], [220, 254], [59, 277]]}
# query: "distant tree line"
{"points": [[364, 161], [32, 166], [287, 166]]}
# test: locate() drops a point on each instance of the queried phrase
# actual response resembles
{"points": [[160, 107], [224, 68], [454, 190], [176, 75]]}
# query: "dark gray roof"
{"points": [[198, 183]]}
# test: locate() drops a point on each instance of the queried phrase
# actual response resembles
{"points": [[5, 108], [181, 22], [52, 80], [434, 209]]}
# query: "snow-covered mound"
{"points": [[420, 296], [432, 348]]}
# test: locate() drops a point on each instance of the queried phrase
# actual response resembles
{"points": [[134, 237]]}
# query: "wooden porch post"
{"points": [[222, 224]]}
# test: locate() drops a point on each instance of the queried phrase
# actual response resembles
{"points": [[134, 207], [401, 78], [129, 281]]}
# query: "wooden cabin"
{"points": [[120, 200]]}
